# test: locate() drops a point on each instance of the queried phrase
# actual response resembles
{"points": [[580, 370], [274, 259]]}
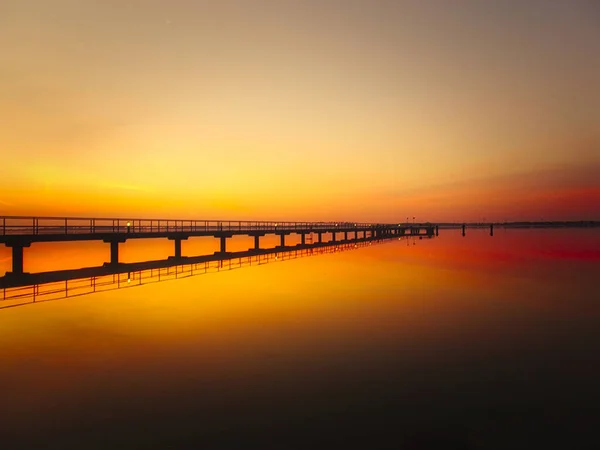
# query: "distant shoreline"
{"points": [[549, 224]]}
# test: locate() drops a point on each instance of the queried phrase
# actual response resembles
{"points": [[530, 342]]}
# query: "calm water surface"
{"points": [[472, 342]]}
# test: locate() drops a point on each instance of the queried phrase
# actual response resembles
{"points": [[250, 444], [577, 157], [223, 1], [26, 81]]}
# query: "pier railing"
{"points": [[23, 225]]}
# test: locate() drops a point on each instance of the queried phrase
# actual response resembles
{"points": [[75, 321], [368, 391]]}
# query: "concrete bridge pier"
{"points": [[17, 257], [437, 230], [256, 237], [114, 250], [333, 236], [319, 237], [345, 235], [177, 249], [282, 240], [302, 238], [492, 229], [223, 247], [464, 227], [355, 235]]}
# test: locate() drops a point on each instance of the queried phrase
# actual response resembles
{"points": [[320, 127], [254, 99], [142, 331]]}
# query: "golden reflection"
{"points": [[40, 287]]}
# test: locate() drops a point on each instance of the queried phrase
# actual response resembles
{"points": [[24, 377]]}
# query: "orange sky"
{"points": [[313, 110]]}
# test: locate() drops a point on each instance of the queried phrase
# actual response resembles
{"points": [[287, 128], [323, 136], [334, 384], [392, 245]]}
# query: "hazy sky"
{"points": [[308, 110]]}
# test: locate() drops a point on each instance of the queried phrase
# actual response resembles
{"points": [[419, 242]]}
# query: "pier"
{"points": [[19, 233]]}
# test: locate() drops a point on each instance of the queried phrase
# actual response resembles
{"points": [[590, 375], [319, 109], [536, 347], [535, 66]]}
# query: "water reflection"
{"points": [[54, 285], [455, 342]]}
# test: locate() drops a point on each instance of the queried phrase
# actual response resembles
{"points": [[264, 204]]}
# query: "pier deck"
{"points": [[19, 232]]}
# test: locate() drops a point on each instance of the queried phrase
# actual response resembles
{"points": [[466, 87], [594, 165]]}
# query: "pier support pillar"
{"points": [[177, 248], [17, 260], [355, 235], [114, 252], [345, 235], [257, 242], [223, 244], [491, 229], [437, 230], [464, 229], [320, 237], [177, 241], [17, 257], [282, 240], [333, 236], [303, 238]]}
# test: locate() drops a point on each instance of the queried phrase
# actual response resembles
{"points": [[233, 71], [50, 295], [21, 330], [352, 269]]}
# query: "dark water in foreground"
{"points": [[474, 342]]}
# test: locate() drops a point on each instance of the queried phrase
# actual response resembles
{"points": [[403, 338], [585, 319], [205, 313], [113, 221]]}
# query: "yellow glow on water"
{"points": [[238, 295]]}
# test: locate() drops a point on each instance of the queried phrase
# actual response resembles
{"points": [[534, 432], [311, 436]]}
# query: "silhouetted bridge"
{"points": [[19, 232]]}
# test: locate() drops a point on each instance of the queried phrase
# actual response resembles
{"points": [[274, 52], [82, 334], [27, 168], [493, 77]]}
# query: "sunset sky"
{"points": [[369, 110]]}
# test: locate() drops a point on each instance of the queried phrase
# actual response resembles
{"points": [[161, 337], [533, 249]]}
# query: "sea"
{"points": [[449, 342]]}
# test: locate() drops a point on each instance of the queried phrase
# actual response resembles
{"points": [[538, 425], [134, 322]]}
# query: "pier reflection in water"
{"points": [[54, 285]]}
